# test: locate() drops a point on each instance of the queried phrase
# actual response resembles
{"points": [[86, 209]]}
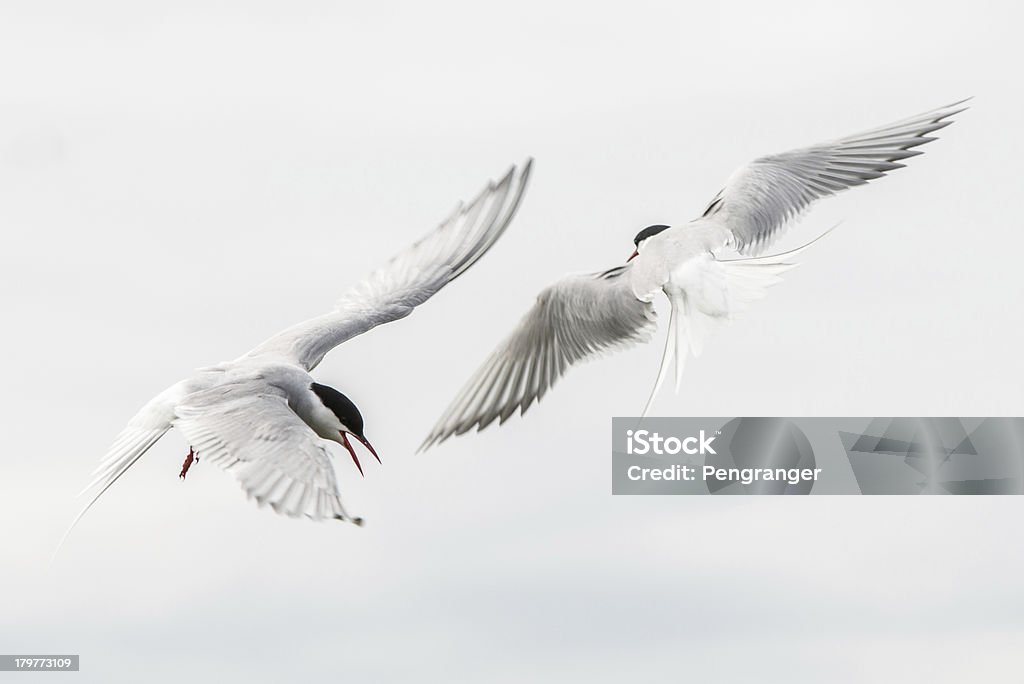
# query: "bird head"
{"points": [[347, 421], [642, 237]]}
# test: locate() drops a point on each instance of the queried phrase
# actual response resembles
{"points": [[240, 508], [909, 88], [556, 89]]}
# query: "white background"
{"points": [[181, 181]]}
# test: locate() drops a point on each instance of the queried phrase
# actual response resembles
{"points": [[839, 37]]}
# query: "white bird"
{"points": [[585, 314], [264, 418]]}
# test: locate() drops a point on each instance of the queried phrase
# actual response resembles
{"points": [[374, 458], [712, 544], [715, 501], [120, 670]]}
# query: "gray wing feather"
{"points": [[759, 199], [410, 278], [575, 319]]}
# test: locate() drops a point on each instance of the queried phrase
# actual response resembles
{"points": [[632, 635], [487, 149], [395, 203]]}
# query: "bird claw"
{"points": [[188, 463]]}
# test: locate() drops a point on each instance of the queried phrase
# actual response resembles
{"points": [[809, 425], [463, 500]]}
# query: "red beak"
{"points": [[352, 452], [348, 445], [366, 443], [632, 256]]}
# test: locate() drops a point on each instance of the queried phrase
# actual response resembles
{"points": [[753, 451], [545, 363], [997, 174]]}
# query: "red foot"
{"points": [[188, 462]]}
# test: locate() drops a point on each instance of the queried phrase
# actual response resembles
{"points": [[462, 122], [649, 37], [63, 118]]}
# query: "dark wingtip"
{"points": [[527, 167], [432, 440]]}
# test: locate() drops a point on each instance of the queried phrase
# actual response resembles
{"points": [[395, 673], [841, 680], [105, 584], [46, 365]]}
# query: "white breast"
{"points": [[669, 251]]}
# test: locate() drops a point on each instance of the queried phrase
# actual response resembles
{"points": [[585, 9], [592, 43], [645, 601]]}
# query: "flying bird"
{"points": [[586, 314], [264, 418]]}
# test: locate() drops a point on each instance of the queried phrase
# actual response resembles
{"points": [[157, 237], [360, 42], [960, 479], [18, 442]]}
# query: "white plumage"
{"points": [[583, 315], [264, 418]]}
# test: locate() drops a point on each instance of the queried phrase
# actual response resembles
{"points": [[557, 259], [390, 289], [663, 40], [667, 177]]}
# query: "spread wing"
{"points": [[760, 198], [575, 319], [250, 430], [409, 279]]}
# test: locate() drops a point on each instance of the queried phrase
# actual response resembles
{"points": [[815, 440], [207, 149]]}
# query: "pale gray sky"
{"points": [[179, 182]]}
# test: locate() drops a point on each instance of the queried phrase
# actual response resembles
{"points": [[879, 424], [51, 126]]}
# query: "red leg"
{"points": [[188, 462]]}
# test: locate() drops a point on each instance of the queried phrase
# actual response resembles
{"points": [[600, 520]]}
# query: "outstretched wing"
{"points": [[576, 318], [409, 279], [760, 198], [250, 430]]}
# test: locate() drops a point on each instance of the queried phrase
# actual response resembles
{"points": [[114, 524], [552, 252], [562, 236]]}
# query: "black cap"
{"points": [[342, 407], [648, 232]]}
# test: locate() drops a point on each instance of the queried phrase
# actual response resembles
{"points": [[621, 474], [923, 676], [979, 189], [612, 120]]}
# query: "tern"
{"points": [[586, 314], [264, 418]]}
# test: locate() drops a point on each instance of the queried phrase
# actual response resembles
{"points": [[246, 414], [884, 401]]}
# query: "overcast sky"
{"points": [[181, 181]]}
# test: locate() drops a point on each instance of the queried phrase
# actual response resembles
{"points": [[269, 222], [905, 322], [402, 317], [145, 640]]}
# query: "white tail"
{"points": [[706, 292], [142, 432], [120, 459]]}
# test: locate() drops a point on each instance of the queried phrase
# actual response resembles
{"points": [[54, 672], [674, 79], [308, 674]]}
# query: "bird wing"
{"points": [[760, 198], [143, 431], [248, 429], [578, 317], [410, 278]]}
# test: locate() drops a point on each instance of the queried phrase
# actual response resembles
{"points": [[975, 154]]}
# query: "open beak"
{"points": [[362, 440], [348, 445], [366, 443], [632, 256]]}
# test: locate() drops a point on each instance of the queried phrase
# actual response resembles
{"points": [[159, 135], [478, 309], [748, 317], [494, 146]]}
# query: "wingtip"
{"points": [[436, 438], [523, 174], [506, 179], [521, 171], [342, 517], [953, 108]]}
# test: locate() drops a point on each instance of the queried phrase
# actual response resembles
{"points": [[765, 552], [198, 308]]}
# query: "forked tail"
{"points": [[144, 430], [707, 292], [129, 448]]}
